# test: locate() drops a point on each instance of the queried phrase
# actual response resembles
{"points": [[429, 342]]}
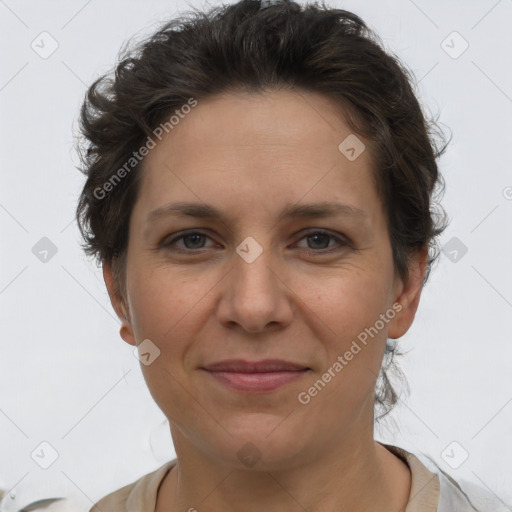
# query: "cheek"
{"points": [[170, 308], [351, 308], [167, 310], [350, 302], [159, 299]]}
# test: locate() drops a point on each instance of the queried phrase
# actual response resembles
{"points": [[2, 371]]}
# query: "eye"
{"points": [[318, 241], [192, 240]]}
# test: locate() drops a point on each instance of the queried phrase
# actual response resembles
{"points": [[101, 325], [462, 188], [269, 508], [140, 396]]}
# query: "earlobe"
{"points": [[408, 294], [119, 305]]}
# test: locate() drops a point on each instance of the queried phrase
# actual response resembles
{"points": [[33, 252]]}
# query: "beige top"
{"points": [[140, 496]]}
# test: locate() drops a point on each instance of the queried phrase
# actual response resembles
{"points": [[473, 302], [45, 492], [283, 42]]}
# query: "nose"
{"points": [[255, 296]]}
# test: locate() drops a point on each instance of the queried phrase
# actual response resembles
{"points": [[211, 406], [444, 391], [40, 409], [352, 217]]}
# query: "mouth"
{"points": [[257, 376]]}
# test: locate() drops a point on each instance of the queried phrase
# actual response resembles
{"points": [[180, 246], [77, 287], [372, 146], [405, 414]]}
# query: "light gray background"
{"points": [[67, 378]]}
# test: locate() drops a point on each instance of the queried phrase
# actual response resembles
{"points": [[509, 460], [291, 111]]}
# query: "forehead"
{"points": [[285, 118], [262, 145]]}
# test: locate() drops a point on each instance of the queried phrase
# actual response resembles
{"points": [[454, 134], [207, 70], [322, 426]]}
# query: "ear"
{"points": [[407, 294], [119, 305]]}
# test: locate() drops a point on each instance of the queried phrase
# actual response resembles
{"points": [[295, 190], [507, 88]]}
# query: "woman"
{"points": [[217, 159]]}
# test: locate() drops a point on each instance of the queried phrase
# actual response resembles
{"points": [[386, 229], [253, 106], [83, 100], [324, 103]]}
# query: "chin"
{"points": [[266, 443]]}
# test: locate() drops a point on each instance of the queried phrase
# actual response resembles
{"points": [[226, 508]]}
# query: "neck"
{"points": [[351, 477]]}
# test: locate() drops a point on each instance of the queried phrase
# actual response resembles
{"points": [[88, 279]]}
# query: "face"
{"points": [[255, 268]]}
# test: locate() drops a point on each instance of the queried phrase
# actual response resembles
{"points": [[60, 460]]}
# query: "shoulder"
{"points": [[464, 495], [139, 495], [434, 489], [460, 496], [115, 500]]}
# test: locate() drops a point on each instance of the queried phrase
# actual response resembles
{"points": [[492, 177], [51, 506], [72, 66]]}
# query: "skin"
{"points": [[304, 299]]}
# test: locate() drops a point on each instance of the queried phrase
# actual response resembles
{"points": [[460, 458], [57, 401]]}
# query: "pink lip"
{"points": [[258, 376]]}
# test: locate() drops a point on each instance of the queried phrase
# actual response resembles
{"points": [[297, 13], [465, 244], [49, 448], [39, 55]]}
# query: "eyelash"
{"points": [[342, 242]]}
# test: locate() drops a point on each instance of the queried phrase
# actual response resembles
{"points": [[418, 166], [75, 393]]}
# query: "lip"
{"points": [[264, 366], [255, 376]]}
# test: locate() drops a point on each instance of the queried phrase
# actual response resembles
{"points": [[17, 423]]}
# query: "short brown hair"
{"points": [[255, 46]]}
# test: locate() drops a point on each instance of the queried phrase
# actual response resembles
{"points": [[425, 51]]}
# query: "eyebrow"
{"points": [[205, 211]]}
